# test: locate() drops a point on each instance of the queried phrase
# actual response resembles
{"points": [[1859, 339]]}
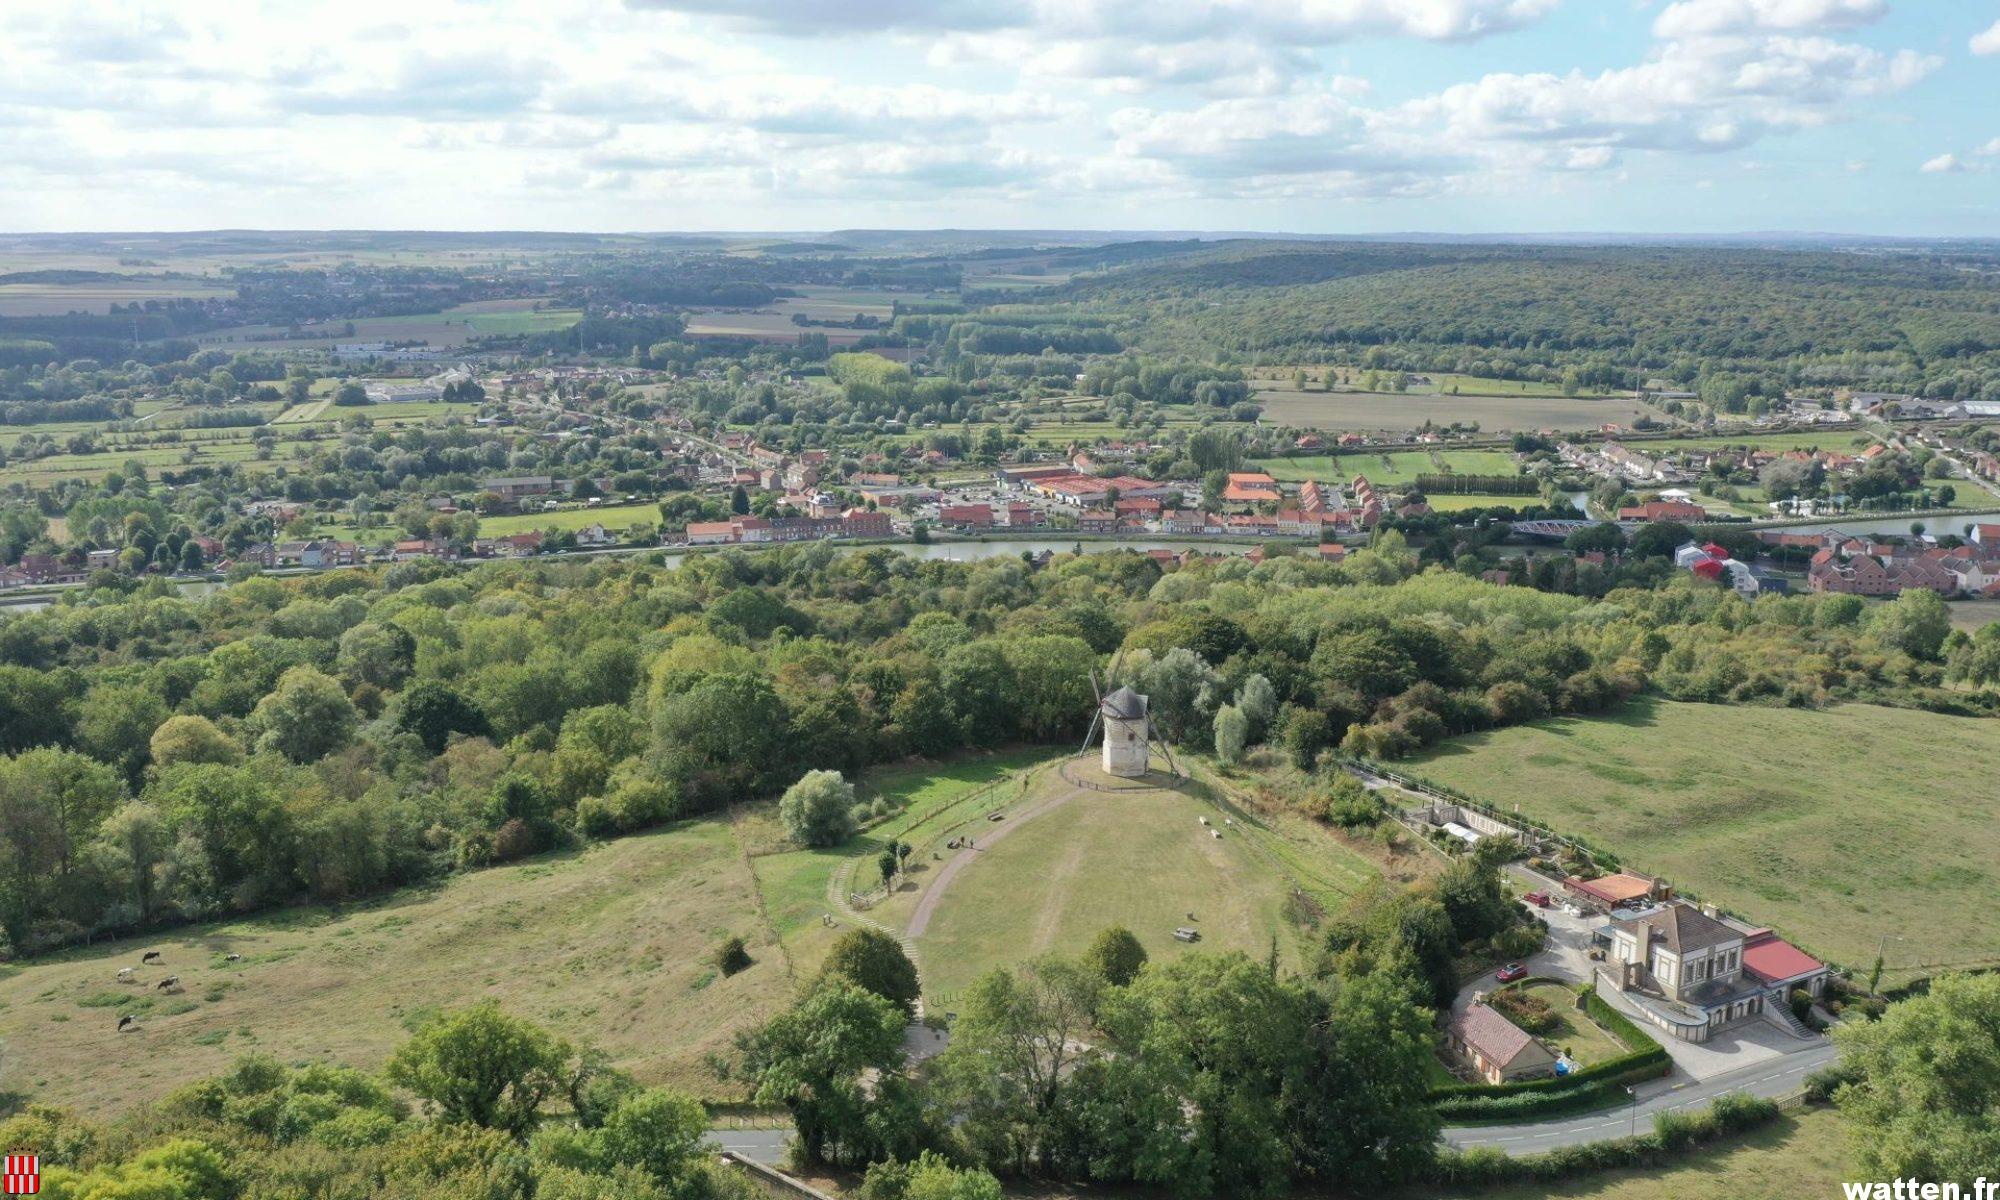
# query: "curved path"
{"points": [[920, 920]]}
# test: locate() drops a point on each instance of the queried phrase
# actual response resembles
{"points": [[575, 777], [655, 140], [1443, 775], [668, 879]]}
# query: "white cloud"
{"points": [[1987, 41], [1707, 18], [1992, 147], [1943, 164]]}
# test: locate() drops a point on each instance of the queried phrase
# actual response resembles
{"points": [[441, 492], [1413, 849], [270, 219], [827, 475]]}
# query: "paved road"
{"points": [[1779, 1078], [766, 1146]]}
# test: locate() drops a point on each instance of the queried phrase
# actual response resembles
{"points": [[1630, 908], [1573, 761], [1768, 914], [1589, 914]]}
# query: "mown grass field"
{"points": [[444, 329], [926, 797], [1409, 410], [613, 943], [1139, 859], [1441, 383], [1837, 827]]}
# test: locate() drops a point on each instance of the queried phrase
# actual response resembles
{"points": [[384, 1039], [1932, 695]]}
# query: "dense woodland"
{"points": [[326, 738]]}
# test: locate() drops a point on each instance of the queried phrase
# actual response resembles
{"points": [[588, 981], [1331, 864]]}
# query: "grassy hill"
{"points": [[1838, 827], [612, 943]]}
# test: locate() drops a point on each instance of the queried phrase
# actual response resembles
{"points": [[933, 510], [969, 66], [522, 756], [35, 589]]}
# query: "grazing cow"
{"points": [[170, 982], [232, 958], [126, 1022], [124, 974], [150, 956]]}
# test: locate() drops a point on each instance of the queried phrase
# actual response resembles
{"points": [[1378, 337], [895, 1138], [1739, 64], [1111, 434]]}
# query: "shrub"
{"points": [[1530, 1012], [732, 956], [513, 840], [817, 810]]}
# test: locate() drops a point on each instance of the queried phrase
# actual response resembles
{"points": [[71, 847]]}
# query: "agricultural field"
{"points": [[1444, 383], [447, 329], [612, 943], [774, 323], [1838, 827], [1387, 411], [55, 299], [1400, 467]]}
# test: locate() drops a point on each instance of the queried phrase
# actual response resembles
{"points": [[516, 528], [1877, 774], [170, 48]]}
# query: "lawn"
{"points": [[612, 943], [613, 517], [1575, 1034], [1838, 827], [1410, 410], [1140, 859]]}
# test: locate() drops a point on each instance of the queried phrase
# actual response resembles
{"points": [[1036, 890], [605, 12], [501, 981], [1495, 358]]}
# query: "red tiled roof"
{"points": [[1498, 1040], [1774, 958]]}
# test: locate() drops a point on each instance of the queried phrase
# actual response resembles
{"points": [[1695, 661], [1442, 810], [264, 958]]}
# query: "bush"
{"points": [[732, 956], [818, 809], [1349, 805], [1673, 1134], [1531, 1013]]}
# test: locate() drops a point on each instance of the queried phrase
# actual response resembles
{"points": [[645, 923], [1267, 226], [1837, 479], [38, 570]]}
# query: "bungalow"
{"points": [[1332, 552], [594, 535], [1499, 1050]]}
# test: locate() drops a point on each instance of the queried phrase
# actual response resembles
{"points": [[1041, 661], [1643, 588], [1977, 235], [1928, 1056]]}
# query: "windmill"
{"points": [[1128, 727]]}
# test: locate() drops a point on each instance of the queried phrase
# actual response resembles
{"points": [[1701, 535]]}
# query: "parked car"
{"points": [[1538, 899], [1511, 972]]}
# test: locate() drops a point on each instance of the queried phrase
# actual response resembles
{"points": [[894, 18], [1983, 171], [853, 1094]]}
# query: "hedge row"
{"points": [[1673, 1135]]}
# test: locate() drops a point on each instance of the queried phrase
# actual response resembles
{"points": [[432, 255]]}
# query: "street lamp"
{"points": [[1633, 1092]]}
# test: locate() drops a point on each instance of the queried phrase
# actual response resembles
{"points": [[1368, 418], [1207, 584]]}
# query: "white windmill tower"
{"points": [[1128, 728]]}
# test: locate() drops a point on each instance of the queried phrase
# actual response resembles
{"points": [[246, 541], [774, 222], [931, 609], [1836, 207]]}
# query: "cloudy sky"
{"points": [[1865, 116]]}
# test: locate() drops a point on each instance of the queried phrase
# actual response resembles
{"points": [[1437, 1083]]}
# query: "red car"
{"points": [[1511, 972], [1538, 899]]}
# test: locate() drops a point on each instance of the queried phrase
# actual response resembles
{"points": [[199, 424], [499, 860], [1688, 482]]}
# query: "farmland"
{"points": [[1836, 827], [1382, 411], [611, 943], [48, 299], [441, 330], [1399, 467], [819, 304]]}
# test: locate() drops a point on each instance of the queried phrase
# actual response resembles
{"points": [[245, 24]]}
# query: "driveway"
{"points": [[1566, 957]]}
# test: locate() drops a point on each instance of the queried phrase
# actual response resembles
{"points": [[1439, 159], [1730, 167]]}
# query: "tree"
{"points": [[659, 1131], [351, 395], [433, 712], [137, 841], [188, 738], [1232, 733], [811, 1059], [306, 717], [739, 501], [1259, 702], [377, 654], [482, 1067], [1181, 692], [1659, 539], [1373, 1125], [818, 809], [116, 724], [1926, 1083], [34, 708], [1018, 1042], [874, 960], [1915, 622], [1115, 955], [1212, 1053]]}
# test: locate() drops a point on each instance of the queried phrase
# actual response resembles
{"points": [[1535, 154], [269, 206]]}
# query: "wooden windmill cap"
{"points": [[1124, 705]]}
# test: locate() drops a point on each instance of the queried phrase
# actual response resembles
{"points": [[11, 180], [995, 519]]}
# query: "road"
{"points": [[766, 1146], [1780, 1077]]}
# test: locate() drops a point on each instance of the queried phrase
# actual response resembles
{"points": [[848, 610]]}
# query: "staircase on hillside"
{"points": [[1782, 1016]]}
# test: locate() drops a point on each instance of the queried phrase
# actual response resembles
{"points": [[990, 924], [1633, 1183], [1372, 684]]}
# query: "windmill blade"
{"points": [[1095, 690], [1092, 731]]}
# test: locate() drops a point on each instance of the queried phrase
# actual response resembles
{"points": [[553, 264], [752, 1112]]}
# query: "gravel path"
{"points": [[920, 920]]}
